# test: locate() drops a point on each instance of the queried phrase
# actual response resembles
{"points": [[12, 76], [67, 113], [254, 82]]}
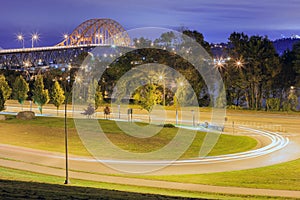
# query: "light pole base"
{"points": [[67, 182]]}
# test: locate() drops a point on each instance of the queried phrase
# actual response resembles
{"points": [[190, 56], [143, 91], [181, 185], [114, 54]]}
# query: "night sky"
{"points": [[216, 19]]}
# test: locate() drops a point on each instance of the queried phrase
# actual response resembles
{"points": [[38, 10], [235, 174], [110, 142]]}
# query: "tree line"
{"points": [[255, 76], [39, 94]]}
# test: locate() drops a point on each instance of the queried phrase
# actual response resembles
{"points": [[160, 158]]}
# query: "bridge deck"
{"points": [[50, 48]]}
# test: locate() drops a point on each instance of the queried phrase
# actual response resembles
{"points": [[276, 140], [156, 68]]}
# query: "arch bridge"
{"points": [[84, 38], [97, 31]]}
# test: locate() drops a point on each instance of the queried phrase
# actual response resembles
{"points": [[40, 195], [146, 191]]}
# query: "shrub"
{"points": [[273, 104], [168, 126]]}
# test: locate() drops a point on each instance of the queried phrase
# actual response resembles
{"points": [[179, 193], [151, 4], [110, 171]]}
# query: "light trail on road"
{"points": [[277, 142]]}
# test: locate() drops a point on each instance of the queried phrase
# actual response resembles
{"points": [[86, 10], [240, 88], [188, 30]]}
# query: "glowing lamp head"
{"points": [[20, 37], [35, 36]]}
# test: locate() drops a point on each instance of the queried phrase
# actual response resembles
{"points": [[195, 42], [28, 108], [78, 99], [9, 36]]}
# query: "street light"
{"points": [[162, 78], [181, 84], [67, 181], [193, 114], [294, 89], [219, 63], [238, 63], [20, 38], [34, 37], [67, 79]]}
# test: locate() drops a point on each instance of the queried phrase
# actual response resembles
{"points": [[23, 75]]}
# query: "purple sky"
{"points": [[216, 19]]}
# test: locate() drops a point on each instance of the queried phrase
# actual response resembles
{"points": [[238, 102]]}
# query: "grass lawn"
{"points": [[22, 184], [48, 134], [284, 176]]}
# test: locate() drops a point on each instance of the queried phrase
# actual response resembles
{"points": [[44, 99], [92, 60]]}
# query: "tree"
{"points": [[147, 97], [94, 95], [89, 111], [20, 90], [98, 97], [57, 95], [287, 76], [292, 101], [260, 67], [184, 95], [40, 95], [199, 39], [4, 87], [296, 62], [166, 39], [2, 101]]}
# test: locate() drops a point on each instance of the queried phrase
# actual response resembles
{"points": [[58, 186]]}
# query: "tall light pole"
{"points": [[164, 89], [20, 38], [34, 37], [77, 79], [181, 85], [193, 113], [67, 181]]}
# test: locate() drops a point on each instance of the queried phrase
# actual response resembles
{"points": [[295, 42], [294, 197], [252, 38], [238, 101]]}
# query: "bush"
{"points": [[273, 104], [168, 126]]}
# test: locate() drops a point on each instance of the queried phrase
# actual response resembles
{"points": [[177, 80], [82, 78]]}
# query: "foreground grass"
{"points": [[27, 185], [47, 134], [284, 176]]}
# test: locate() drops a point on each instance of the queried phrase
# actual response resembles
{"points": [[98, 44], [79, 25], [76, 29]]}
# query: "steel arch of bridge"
{"points": [[98, 31]]}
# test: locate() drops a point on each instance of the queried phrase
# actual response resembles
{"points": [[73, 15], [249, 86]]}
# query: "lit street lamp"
{"points": [[78, 80], [67, 181], [239, 64], [193, 114], [20, 38], [66, 136], [294, 89], [181, 84], [34, 37], [164, 89]]}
